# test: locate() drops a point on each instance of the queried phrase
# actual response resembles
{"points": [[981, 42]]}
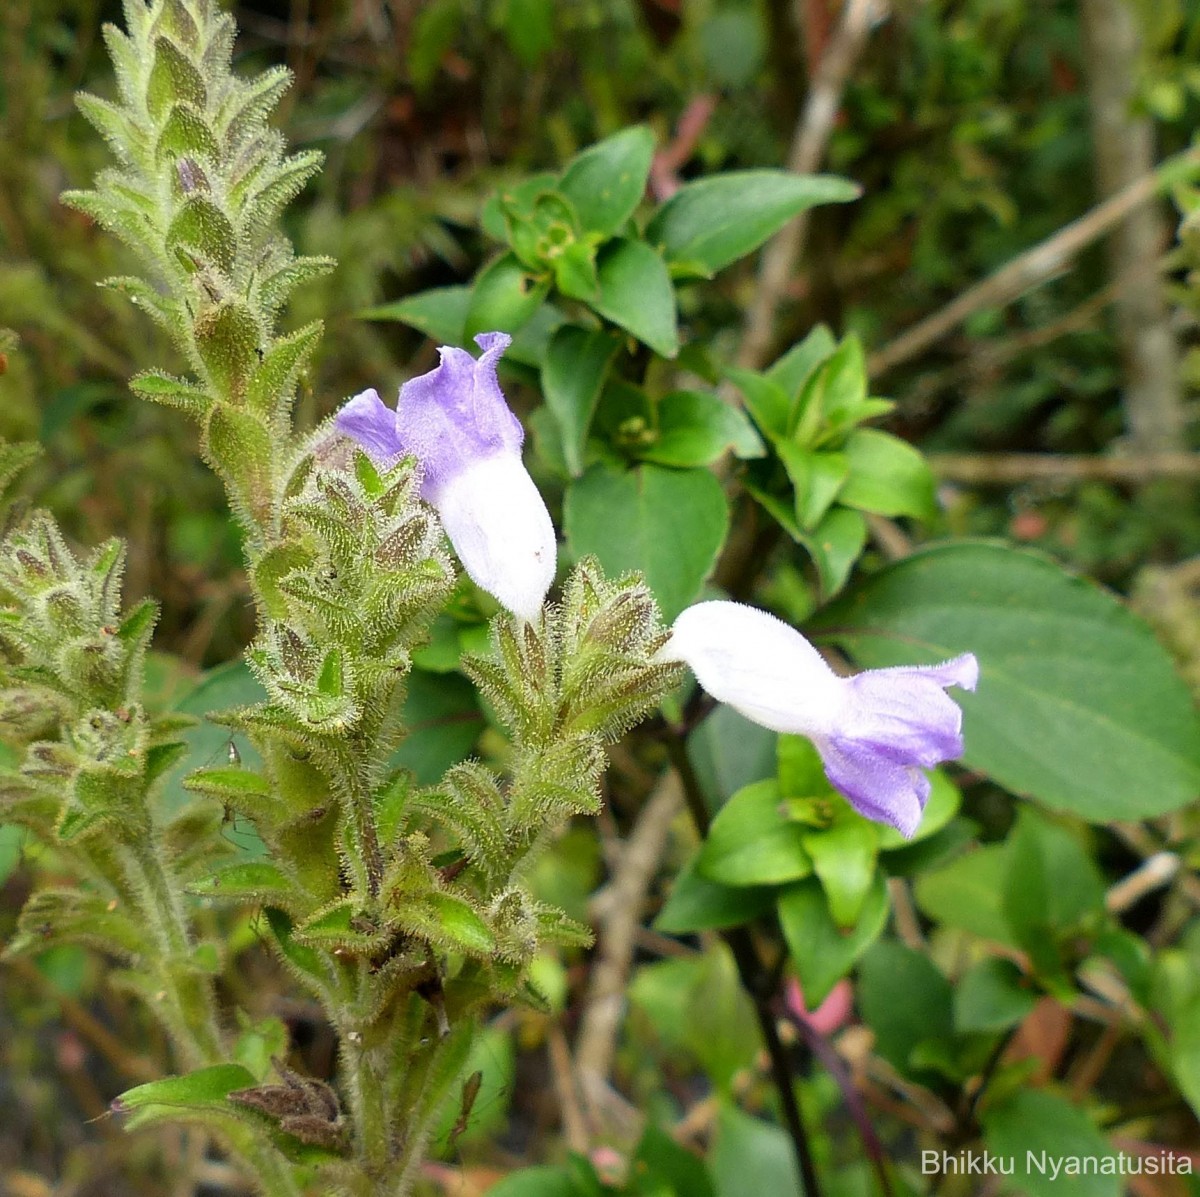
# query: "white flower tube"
{"points": [[875, 731]]}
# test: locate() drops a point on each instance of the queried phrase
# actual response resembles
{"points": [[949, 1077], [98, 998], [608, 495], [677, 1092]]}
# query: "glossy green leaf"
{"points": [[607, 180], [843, 858], [793, 369], [752, 1156], [712, 222], [695, 428], [823, 952], [766, 400], [817, 478], [443, 718], [753, 842], [967, 893], [636, 294], [1037, 1129], [668, 523], [1078, 705], [441, 314], [697, 904], [887, 476], [573, 376], [503, 298], [992, 996], [905, 1000], [835, 546]]}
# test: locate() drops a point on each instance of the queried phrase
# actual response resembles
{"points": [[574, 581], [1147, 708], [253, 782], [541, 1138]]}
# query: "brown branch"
{"points": [[812, 133], [1034, 267], [86, 1025], [1012, 469], [619, 909]]}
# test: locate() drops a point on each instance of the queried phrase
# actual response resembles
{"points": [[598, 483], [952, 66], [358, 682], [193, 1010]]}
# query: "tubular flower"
{"points": [[455, 421], [875, 731]]}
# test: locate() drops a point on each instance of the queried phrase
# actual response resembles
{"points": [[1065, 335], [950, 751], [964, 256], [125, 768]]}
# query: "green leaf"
{"points": [[1078, 705], [636, 294], [529, 28], [1176, 1001], [753, 842], [249, 881], [695, 428], [729, 752], [991, 996], [793, 369], [905, 1000], [173, 392], [752, 1156], [835, 546], [573, 376], [659, 1161], [504, 296], [575, 272], [887, 476], [450, 922], [670, 524], [712, 222], [966, 893], [607, 180], [1051, 888], [443, 719], [1038, 1129], [817, 478], [227, 337], [273, 382], [441, 314], [823, 952], [205, 1087], [843, 858], [766, 400], [201, 226], [543, 1181], [697, 904], [240, 445]]}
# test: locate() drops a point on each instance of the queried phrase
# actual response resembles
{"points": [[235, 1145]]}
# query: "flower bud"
{"points": [[455, 421], [875, 731]]}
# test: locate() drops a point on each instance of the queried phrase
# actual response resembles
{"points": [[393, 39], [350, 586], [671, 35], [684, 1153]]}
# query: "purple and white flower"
{"points": [[455, 421], [875, 731]]}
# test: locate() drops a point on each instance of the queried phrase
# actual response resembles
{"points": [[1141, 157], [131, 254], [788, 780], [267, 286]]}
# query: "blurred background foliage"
{"points": [[967, 124]]}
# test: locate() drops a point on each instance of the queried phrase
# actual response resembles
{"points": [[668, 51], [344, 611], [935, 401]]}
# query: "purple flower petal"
{"points": [[879, 788], [455, 421], [456, 415], [368, 420]]}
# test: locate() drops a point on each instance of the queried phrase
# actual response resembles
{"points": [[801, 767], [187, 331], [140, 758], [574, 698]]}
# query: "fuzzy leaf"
{"points": [[227, 337], [172, 78], [448, 922], [240, 446], [171, 391], [273, 382], [250, 881]]}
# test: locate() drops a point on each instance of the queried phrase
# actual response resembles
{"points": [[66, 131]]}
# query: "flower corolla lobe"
{"points": [[875, 731], [455, 421]]}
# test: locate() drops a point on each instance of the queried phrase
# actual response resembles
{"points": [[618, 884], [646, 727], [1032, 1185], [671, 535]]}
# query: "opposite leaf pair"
{"points": [[876, 732]]}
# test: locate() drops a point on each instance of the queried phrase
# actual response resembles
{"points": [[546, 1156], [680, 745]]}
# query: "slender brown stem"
{"points": [[1034, 267]]}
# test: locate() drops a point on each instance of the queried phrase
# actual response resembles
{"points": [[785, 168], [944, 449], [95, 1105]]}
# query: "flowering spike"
{"points": [[455, 421], [875, 731]]}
